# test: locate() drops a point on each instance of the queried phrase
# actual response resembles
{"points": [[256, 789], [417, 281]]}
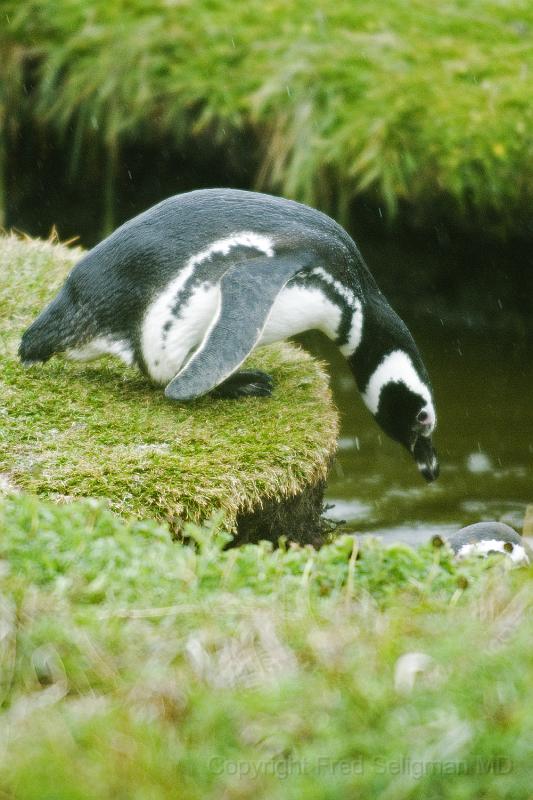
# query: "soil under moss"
{"points": [[74, 430]]}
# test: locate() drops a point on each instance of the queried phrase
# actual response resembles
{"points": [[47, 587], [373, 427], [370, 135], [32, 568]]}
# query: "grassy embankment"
{"points": [[136, 667], [424, 105], [101, 430]]}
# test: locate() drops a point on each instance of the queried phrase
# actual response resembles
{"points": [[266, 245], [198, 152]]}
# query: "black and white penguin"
{"points": [[187, 289], [484, 538]]}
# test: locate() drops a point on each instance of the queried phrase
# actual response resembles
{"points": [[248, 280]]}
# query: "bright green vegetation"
{"points": [[132, 666], [423, 104], [101, 430]]}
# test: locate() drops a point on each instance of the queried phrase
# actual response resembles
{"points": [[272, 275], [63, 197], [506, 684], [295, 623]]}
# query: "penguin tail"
{"points": [[49, 334]]}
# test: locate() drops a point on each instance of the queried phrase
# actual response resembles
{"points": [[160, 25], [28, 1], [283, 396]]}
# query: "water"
{"points": [[483, 385]]}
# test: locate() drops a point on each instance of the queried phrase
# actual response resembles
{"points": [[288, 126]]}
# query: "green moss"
{"points": [[136, 667], [417, 103], [101, 430]]}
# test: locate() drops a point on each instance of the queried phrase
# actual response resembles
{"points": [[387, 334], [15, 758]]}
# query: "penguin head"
{"points": [[401, 400], [484, 538], [409, 418]]}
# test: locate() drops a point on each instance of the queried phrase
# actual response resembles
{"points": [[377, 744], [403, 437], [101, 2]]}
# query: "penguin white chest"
{"points": [[182, 315], [170, 337], [298, 309], [177, 321]]}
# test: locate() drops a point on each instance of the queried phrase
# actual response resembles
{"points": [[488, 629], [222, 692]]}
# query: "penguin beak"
{"points": [[426, 458]]}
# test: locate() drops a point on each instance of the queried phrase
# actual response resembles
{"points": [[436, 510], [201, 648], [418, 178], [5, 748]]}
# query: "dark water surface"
{"points": [[483, 385]]}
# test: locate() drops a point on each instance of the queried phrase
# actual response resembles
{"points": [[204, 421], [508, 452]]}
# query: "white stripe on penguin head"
{"points": [[396, 367], [485, 547]]}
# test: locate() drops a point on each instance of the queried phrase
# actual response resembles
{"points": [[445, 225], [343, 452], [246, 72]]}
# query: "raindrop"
{"points": [[345, 443], [478, 463]]}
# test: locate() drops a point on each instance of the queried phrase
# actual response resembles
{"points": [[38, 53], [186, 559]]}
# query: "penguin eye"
{"points": [[423, 416]]}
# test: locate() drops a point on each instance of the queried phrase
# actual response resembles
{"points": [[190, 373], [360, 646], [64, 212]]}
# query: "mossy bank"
{"points": [[424, 106], [101, 430]]}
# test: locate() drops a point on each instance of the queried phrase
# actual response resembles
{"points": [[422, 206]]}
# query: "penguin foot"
{"points": [[247, 383]]}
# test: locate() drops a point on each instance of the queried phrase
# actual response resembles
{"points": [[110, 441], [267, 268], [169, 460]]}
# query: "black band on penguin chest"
{"points": [[335, 297]]}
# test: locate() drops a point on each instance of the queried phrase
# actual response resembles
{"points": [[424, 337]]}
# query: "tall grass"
{"points": [[419, 104]]}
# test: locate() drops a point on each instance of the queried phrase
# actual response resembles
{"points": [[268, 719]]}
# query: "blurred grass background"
{"points": [[420, 108]]}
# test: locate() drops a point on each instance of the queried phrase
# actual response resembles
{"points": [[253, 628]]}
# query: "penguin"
{"points": [[189, 288], [484, 538]]}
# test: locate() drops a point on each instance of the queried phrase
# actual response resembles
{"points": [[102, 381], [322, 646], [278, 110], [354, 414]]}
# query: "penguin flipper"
{"points": [[247, 292]]}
